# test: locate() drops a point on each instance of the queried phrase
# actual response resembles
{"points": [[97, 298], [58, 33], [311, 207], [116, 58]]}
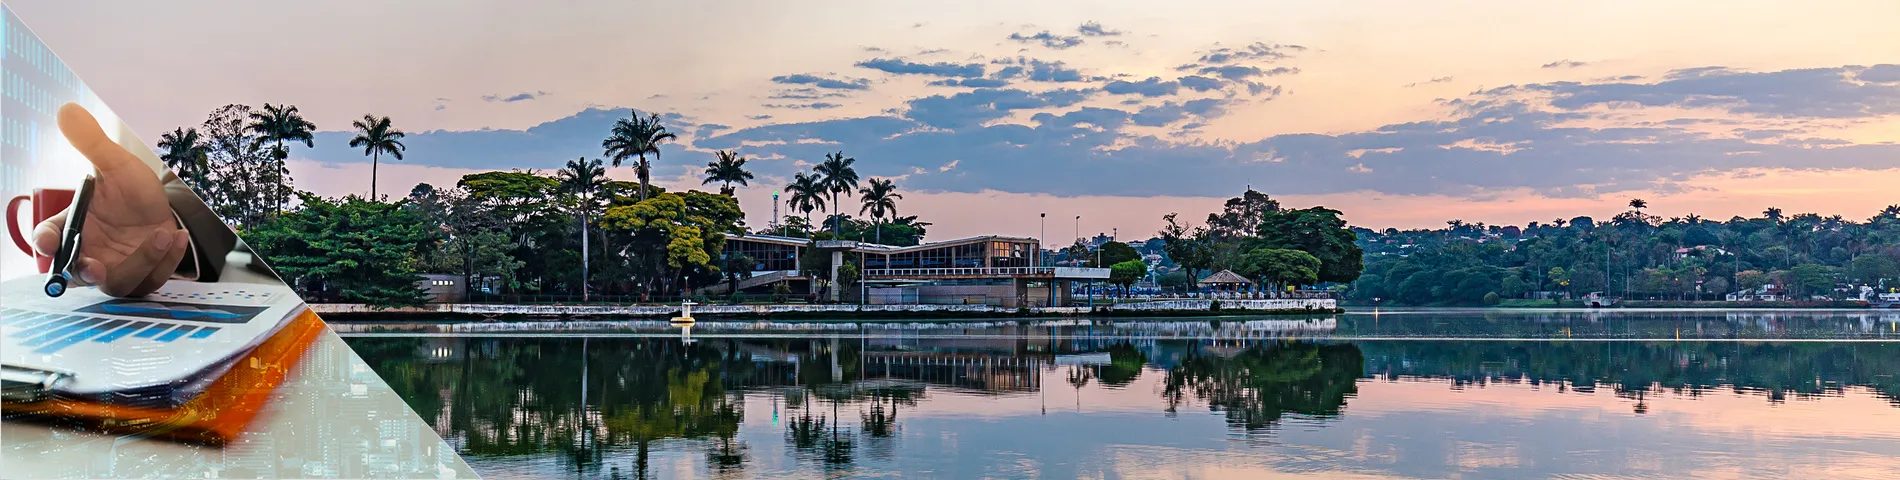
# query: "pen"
{"points": [[68, 254]]}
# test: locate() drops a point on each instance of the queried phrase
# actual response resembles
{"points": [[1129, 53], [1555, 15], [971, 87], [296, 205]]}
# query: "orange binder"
{"points": [[217, 415]]}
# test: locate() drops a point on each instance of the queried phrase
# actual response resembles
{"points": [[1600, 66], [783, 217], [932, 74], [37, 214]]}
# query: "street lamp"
{"points": [[1042, 235]]}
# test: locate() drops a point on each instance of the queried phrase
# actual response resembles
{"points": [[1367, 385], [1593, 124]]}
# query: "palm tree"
{"points": [[1638, 204], [281, 123], [880, 200], [1772, 214], [584, 178], [728, 169], [187, 154], [807, 193], [837, 176], [376, 137], [635, 138]]}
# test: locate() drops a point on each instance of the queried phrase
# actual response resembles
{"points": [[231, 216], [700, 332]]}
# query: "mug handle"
{"points": [[13, 227]]}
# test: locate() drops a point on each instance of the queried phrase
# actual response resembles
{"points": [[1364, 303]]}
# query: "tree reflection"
{"points": [[1255, 386]]}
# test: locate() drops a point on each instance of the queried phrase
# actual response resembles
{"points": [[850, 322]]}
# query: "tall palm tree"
{"points": [[807, 193], [837, 176], [635, 138], [279, 124], [1772, 214], [187, 153], [583, 179], [728, 169], [1638, 204], [880, 200], [376, 137]]}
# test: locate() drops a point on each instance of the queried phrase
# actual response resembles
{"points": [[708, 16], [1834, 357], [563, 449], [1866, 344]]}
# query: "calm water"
{"points": [[1402, 394]]}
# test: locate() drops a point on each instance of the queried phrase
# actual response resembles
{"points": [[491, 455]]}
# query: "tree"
{"points": [[582, 179], [1279, 267], [348, 251], [376, 137], [1188, 246], [237, 163], [1241, 216], [837, 176], [1320, 232], [1638, 204], [807, 194], [1812, 279], [880, 200], [186, 153], [683, 232], [1126, 273], [736, 267], [279, 124], [1112, 253], [728, 169], [635, 138]]}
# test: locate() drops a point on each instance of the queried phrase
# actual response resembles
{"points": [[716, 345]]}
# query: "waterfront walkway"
{"points": [[1158, 307]]}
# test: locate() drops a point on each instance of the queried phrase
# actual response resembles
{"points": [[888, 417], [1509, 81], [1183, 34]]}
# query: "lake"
{"points": [[1398, 394]]}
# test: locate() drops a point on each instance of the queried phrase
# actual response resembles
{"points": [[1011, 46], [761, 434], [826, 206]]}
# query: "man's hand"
{"points": [[131, 244]]}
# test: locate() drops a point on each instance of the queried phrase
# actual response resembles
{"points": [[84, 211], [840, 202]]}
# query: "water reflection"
{"points": [[1094, 405]]}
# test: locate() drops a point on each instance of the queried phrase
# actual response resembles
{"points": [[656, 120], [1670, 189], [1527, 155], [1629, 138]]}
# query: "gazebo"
{"points": [[1226, 281]]}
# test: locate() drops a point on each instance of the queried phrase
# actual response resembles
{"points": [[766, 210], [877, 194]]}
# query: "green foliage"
{"points": [[1281, 267], [1320, 232], [349, 250], [1127, 273], [1635, 256], [1112, 253], [1491, 298]]}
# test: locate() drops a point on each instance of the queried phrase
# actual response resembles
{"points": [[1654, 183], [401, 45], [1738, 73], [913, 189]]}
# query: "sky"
{"points": [[1400, 113]]}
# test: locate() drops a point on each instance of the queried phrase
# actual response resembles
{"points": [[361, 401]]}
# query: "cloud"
{"points": [[1241, 72], [1199, 83], [803, 106], [1546, 137], [758, 117], [983, 105], [544, 146], [1256, 51], [939, 69], [1839, 92], [1037, 70], [1152, 87], [1094, 29], [1566, 63], [822, 82], [1058, 42], [804, 93], [1889, 73], [1435, 80], [519, 97], [970, 82]]}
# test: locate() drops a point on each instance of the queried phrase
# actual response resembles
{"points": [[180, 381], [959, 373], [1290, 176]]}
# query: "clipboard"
{"points": [[157, 351], [215, 416]]}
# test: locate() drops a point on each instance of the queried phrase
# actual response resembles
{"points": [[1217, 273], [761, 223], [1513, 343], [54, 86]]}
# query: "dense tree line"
{"points": [[1633, 255], [1254, 236], [568, 232]]}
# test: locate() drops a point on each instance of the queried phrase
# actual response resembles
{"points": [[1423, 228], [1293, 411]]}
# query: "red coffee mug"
{"points": [[47, 202]]}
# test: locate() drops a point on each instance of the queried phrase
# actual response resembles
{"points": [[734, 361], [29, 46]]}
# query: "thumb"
{"points": [[83, 132]]}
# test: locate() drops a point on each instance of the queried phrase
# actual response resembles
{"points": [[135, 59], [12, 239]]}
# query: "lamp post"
{"points": [[1042, 235]]}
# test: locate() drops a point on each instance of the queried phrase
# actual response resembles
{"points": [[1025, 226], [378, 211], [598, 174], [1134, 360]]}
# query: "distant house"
{"points": [[443, 287], [1764, 293], [1700, 251]]}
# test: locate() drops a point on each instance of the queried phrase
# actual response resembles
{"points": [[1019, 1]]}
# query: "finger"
{"points": [[46, 234], [84, 133], [166, 266], [87, 271], [124, 279]]}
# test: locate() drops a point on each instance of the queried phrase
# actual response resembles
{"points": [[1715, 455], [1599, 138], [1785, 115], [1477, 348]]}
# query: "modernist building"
{"points": [[992, 270]]}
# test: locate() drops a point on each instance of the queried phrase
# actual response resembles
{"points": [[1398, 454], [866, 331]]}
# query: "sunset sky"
{"points": [[1400, 113]]}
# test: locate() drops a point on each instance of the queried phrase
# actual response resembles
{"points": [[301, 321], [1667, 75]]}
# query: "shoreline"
{"points": [[769, 312]]}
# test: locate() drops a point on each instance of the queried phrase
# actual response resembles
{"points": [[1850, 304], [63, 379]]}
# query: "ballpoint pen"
{"points": [[68, 254]]}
